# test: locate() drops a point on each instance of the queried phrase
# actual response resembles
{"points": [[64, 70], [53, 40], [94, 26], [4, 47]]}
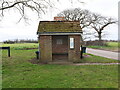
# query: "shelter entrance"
{"points": [[60, 47]]}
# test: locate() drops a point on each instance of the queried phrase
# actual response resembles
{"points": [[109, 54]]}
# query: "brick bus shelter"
{"points": [[59, 41]]}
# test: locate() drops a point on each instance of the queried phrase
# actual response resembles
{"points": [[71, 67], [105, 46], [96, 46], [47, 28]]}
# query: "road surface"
{"points": [[103, 53]]}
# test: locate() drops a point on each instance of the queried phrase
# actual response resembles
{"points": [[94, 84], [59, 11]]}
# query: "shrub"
{"points": [[96, 43], [20, 41]]}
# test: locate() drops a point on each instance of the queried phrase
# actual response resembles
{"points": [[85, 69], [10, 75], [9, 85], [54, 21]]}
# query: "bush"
{"points": [[96, 43], [20, 41], [9, 42]]}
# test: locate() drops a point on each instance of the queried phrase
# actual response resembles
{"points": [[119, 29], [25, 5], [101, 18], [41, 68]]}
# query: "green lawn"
{"points": [[112, 46], [18, 72], [89, 58], [19, 46]]}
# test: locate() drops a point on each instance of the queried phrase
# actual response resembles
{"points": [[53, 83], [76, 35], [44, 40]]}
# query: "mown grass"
{"points": [[112, 46], [18, 72], [60, 76], [18, 46], [90, 58]]}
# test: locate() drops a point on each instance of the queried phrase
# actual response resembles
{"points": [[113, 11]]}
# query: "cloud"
{"points": [[10, 30]]}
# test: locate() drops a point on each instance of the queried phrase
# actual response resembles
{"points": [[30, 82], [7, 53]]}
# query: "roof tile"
{"points": [[59, 26]]}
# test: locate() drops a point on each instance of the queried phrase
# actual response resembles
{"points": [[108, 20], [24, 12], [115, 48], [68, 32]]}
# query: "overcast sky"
{"points": [[10, 30]]}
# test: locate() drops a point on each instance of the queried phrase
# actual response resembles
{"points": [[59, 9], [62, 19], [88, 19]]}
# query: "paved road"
{"points": [[103, 53]]}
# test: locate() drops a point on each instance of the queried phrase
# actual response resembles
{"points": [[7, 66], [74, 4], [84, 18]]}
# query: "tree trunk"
{"points": [[100, 36]]}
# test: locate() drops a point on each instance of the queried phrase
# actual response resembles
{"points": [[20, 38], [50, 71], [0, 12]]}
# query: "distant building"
{"points": [[59, 40]]}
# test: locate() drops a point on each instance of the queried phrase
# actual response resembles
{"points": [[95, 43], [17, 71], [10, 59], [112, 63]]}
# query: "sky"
{"points": [[10, 29]]}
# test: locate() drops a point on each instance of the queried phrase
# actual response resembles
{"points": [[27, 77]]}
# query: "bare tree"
{"points": [[100, 23], [22, 6], [77, 14], [88, 19]]}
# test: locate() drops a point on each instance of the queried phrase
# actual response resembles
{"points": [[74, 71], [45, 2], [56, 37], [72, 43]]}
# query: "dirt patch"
{"points": [[86, 56], [36, 61]]}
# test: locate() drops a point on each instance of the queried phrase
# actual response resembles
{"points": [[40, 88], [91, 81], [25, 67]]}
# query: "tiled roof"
{"points": [[59, 26]]}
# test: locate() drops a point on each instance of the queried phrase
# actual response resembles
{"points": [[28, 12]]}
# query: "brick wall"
{"points": [[60, 50], [51, 51], [59, 19], [74, 54], [45, 48]]}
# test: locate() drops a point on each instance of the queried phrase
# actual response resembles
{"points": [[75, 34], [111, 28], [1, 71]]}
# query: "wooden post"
{"points": [[8, 51]]}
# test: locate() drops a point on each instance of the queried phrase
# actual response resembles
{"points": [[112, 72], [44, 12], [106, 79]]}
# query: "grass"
{"points": [[112, 46], [60, 76], [19, 46], [18, 72], [90, 58]]}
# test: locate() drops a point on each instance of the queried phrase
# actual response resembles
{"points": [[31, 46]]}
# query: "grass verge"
{"points": [[90, 58], [18, 72], [112, 46]]}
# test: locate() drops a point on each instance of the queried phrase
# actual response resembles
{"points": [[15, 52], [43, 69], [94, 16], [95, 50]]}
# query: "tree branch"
{"points": [[3, 8], [102, 28]]}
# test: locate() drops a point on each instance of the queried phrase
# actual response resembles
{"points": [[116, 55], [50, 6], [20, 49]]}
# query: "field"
{"points": [[112, 46], [18, 72]]}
